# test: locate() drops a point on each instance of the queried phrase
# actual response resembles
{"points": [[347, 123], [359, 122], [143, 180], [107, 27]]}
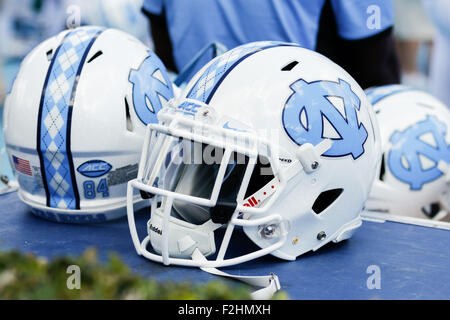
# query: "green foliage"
{"points": [[25, 276]]}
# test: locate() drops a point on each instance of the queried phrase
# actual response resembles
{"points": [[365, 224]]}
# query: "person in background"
{"points": [[23, 25], [413, 34], [440, 59], [26, 23], [355, 34], [124, 15]]}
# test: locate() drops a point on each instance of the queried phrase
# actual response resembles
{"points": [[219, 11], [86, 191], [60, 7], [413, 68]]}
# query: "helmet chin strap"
{"points": [[270, 283]]}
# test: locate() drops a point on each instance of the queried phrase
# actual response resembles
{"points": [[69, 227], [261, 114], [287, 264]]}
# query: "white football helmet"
{"points": [[414, 176], [269, 137], [75, 122]]}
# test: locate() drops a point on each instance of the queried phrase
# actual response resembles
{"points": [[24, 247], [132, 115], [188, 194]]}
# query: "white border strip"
{"points": [[383, 217]]}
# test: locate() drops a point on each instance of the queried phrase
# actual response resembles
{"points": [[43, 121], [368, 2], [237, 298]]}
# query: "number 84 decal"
{"points": [[91, 191]]}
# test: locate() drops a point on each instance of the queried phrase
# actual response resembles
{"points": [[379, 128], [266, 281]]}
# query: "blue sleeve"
{"points": [[153, 6], [362, 18]]}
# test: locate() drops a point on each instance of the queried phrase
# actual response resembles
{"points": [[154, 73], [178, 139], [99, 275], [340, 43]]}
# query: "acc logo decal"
{"points": [[189, 108], [94, 168], [150, 83], [310, 98], [407, 144]]}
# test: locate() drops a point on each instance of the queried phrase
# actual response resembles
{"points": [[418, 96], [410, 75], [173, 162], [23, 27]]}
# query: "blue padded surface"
{"points": [[414, 261]]}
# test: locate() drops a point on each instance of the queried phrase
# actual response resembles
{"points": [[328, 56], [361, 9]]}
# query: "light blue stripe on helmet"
{"points": [[55, 117], [377, 93], [208, 82]]}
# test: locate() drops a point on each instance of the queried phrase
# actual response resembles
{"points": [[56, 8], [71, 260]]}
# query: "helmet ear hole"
{"points": [[431, 210], [325, 199]]}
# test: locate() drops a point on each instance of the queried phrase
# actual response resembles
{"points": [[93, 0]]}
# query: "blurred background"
{"points": [[421, 33], [26, 23], [421, 30]]}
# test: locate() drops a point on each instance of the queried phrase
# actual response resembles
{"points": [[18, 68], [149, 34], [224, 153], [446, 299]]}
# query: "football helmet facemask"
{"points": [[269, 137]]}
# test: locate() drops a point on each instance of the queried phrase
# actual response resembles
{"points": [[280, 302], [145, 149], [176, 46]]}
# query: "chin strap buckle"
{"points": [[269, 290], [270, 283]]}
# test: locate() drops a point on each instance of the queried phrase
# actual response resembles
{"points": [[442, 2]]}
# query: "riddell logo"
{"points": [[155, 229], [285, 160], [251, 202]]}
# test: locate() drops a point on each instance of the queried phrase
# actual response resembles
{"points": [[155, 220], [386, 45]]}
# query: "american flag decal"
{"points": [[22, 165]]}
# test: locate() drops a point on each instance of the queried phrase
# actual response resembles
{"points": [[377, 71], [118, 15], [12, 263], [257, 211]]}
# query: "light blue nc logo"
{"points": [[408, 147], [310, 105], [150, 84]]}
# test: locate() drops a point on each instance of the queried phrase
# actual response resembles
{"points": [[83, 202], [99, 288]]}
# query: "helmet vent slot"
{"points": [[325, 199], [382, 168], [289, 66], [49, 54], [95, 56], [129, 123]]}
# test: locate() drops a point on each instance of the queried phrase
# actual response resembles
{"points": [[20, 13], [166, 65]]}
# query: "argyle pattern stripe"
{"points": [[222, 64], [58, 99]]}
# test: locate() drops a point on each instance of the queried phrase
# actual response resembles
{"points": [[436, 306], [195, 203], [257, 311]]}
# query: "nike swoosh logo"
{"points": [[227, 126]]}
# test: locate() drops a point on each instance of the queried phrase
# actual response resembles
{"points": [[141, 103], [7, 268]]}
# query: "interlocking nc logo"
{"points": [[310, 101], [150, 82], [404, 157]]}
